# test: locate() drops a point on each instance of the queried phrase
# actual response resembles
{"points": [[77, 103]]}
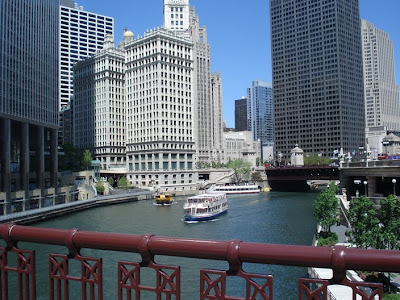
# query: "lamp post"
{"points": [[394, 186], [365, 188], [357, 182]]}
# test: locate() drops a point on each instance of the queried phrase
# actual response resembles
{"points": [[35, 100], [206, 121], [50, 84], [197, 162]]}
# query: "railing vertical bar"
{"points": [[59, 289], [19, 284], [26, 282], [66, 289]]}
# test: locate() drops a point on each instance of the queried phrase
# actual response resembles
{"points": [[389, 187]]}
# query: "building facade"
{"points": [[382, 104], [100, 107], [240, 145], [81, 35], [317, 76], [241, 114], [28, 103], [260, 113], [160, 141]]}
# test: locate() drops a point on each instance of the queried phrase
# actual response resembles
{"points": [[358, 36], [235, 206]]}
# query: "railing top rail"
{"points": [[337, 258]]}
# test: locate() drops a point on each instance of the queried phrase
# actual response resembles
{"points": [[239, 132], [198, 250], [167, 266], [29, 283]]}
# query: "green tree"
{"points": [[86, 159], [99, 188], [256, 176], [364, 223], [312, 159], [388, 237], [70, 161], [326, 209], [241, 168], [110, 181], [123, 183]]}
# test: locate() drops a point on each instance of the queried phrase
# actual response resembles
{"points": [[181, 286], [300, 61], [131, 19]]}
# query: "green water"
{"points": [[276, 217]]}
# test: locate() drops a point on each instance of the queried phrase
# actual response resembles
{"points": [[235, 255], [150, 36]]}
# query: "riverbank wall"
{"points": [[37, 215]]}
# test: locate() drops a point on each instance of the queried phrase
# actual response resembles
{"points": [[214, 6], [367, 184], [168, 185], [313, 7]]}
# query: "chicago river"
{"points": [[276, 217]]}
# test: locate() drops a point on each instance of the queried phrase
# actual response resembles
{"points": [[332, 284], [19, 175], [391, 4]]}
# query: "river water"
{"points": [[275, 217]]}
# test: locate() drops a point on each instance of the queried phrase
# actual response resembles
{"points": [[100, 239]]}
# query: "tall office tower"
{"points": [[317, 75], [381, 92], [241, 114], [160, 140], [176, 15], [99, 105], [205, 103], [28, 101], [81, 35], [217, 143], [260, 112]]}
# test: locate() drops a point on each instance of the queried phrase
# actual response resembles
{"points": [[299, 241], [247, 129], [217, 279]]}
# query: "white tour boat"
{"points": [[205, 207], [234, 189]]}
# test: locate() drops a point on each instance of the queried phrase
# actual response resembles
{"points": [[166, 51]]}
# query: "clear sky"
{"points": [[238, 33]]}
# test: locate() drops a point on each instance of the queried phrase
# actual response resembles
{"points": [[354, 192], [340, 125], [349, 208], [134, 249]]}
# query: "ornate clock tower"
{"points": [[176, 15]]}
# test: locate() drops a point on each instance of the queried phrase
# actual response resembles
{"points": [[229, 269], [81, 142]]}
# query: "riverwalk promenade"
{"points": [[35, 215]]}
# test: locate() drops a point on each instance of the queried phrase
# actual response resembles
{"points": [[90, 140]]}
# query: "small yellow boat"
{"points": [[164, 199]]}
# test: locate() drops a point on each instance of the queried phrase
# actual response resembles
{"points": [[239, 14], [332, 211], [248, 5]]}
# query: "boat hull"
{"points": [[203, 218]]}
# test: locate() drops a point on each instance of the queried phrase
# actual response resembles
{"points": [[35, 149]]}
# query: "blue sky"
{"points": [[238, 33]]}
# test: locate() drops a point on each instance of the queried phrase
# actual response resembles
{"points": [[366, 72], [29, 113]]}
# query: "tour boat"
{"points": [[164, 199], [205, 207], [234, 189]]}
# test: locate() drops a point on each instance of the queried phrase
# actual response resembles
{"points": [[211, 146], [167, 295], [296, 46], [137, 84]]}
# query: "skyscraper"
{"points": [[99, 105], [241, 114], [81, 35], [382, 106], [28, 100], [260, 112], [182, 19], [317, 75]]}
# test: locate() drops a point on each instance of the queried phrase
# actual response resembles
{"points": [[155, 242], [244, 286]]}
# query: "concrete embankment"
{"points": [[40, 214]]}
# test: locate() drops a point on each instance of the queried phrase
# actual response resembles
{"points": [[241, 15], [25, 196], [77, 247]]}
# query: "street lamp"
{"points": [[365, 188], [394, 186], [357, 182]]}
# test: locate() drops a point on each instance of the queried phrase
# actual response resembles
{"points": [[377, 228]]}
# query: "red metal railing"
{"points": [[168, 281]]}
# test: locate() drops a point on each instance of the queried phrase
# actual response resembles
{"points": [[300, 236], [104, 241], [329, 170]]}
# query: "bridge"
{"points": [[294, 179], [76, 268]]}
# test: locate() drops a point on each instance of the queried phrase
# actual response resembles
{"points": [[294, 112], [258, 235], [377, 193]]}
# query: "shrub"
{"points": [[327, 239]]}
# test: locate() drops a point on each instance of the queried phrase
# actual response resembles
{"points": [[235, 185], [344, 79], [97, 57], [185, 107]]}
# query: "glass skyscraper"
{"points": [[28, 100], [260, 112], [317, 75]]}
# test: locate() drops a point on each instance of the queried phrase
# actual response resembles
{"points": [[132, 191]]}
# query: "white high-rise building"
{"points": [[99, 106], [382, 106], [160, 141], [177, 15], [81, 35]]}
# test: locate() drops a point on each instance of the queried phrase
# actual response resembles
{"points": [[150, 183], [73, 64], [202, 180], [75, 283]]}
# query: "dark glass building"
{"points": [[241, 114], [28, 103], [317, 75]]}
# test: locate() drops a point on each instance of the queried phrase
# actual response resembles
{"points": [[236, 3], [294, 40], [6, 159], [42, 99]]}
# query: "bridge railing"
{"points": [[168, 278]]}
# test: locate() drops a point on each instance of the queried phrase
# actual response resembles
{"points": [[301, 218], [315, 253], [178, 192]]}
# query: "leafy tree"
{"points": [[100, 188], [86, 159], [241, 170], [256, 176], [123, 183], [312, 159], [70, 161], [364, 223], [110, 181], [326, 209], [389, 224]]}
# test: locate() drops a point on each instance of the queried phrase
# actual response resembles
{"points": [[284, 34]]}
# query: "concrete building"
{"points": [[241, 114], [182, 19], [260, 114], [81, 35], [160, 140], [240, 145], [317, 76], [99, 112], [177, 15], [382, 104], [28, 103]]}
